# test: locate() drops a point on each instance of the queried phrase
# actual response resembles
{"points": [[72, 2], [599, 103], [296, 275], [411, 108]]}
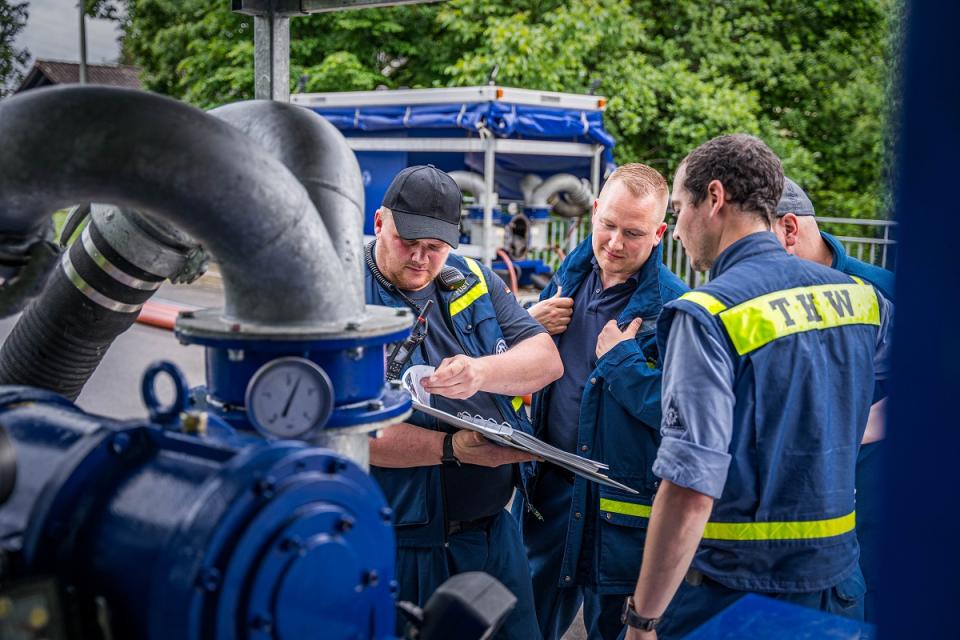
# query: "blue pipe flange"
{"points": [[294, 381]]}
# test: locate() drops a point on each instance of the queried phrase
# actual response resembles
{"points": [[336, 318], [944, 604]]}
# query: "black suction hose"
{"points": [[170, 161], [92, 297]]}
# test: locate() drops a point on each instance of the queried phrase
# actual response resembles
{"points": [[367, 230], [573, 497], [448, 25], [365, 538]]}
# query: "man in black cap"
{"points": [[448, 488]]}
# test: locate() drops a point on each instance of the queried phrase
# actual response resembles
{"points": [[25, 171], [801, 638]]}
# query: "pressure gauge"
{"points": [[288, 397]]}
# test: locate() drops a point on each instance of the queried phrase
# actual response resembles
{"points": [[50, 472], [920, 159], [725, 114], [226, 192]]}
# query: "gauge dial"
{"points": [[288, 397]]}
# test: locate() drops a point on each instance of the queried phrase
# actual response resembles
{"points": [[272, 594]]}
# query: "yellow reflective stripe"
{"points": [[857, 280], [517, 402], [625, 508], [759, 321], [467, 299], [474, 266], [749, 530], [705, 300], [475, 291], [780, 530]]}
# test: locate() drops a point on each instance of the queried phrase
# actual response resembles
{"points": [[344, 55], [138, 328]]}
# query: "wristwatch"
{"points": [[631, 618], [449, 457]]}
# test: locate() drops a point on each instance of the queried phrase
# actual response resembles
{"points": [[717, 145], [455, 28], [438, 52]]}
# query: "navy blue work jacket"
{"points": [[416, 493], [877, 276], [802, 338], [619, 425]]}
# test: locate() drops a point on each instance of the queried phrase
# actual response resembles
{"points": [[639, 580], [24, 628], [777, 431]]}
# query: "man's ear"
{"points": [[659, 232], [377, 222], [717, 196], [791, 230]]}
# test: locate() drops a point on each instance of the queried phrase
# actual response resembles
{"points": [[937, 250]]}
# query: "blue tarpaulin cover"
{"points": [[462, 120], [503, 119]]}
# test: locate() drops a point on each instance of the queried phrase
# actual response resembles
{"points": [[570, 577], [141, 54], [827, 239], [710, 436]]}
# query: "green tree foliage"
{"points": [[811, 78], [104, 9], [13, 16]]}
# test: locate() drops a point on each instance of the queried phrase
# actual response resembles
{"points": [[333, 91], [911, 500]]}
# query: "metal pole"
{"points": [[886, 241], [668, 240], [83, 42], [271, 58], [595, 169], [489, 162]]}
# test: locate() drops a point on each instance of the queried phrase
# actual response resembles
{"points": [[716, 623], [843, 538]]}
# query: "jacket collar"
{"points": [[746, 247], [393, 294], [646, 300], [839, 253]]}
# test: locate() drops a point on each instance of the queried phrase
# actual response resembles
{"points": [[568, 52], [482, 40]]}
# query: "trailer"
{"points": [[529, 162]]}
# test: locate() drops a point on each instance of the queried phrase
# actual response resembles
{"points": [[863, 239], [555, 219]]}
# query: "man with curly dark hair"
{"points": [[768, 377]]}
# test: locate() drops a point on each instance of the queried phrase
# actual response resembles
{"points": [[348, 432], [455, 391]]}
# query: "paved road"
{"points": [[114, 389]]}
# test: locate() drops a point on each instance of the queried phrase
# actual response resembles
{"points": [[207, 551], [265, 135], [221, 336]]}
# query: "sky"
{"points": [[53, 32]]}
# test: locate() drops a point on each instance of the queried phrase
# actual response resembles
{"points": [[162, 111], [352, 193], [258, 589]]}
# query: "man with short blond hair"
{"points": [[601, 308]]}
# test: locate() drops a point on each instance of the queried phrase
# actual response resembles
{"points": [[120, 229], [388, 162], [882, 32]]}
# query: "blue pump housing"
{"points": [[189, 538]]}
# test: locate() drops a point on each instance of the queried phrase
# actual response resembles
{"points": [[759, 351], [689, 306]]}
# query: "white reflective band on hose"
{"points": [[112, 270], [86, 289]]}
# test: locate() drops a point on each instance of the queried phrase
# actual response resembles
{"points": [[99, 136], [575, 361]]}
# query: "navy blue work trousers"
{"points": [[545, 541], [870, 467], [693, 606], [496, 550]]}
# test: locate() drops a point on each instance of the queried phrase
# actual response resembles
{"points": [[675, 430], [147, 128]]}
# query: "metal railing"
{"points": [[875, 243]]}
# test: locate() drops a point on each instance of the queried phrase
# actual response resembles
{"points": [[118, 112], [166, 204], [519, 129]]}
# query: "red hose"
{"points": [[159, 314], [514, 285]]}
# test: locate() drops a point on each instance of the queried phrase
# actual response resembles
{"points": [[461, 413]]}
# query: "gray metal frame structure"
{"points": [[272, 82], [271, 36]]}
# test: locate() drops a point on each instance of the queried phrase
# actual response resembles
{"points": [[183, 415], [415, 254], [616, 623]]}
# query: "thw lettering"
{"points": [[840, 301], [781, 305]]}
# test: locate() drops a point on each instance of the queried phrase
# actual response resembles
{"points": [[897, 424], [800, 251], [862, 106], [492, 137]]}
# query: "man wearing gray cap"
{"points": [[797, 229], [799, 233], [448, 488]]}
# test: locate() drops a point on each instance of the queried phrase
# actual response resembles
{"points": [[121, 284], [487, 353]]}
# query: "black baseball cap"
{"points": [[426, 204], [794, 200]]}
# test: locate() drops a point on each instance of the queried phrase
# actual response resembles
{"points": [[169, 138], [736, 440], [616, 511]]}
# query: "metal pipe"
{"points": [[169, 160], [93, 296], [577, 202], [472, 183], [320, 158], [528, 184], [347, 442]]}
